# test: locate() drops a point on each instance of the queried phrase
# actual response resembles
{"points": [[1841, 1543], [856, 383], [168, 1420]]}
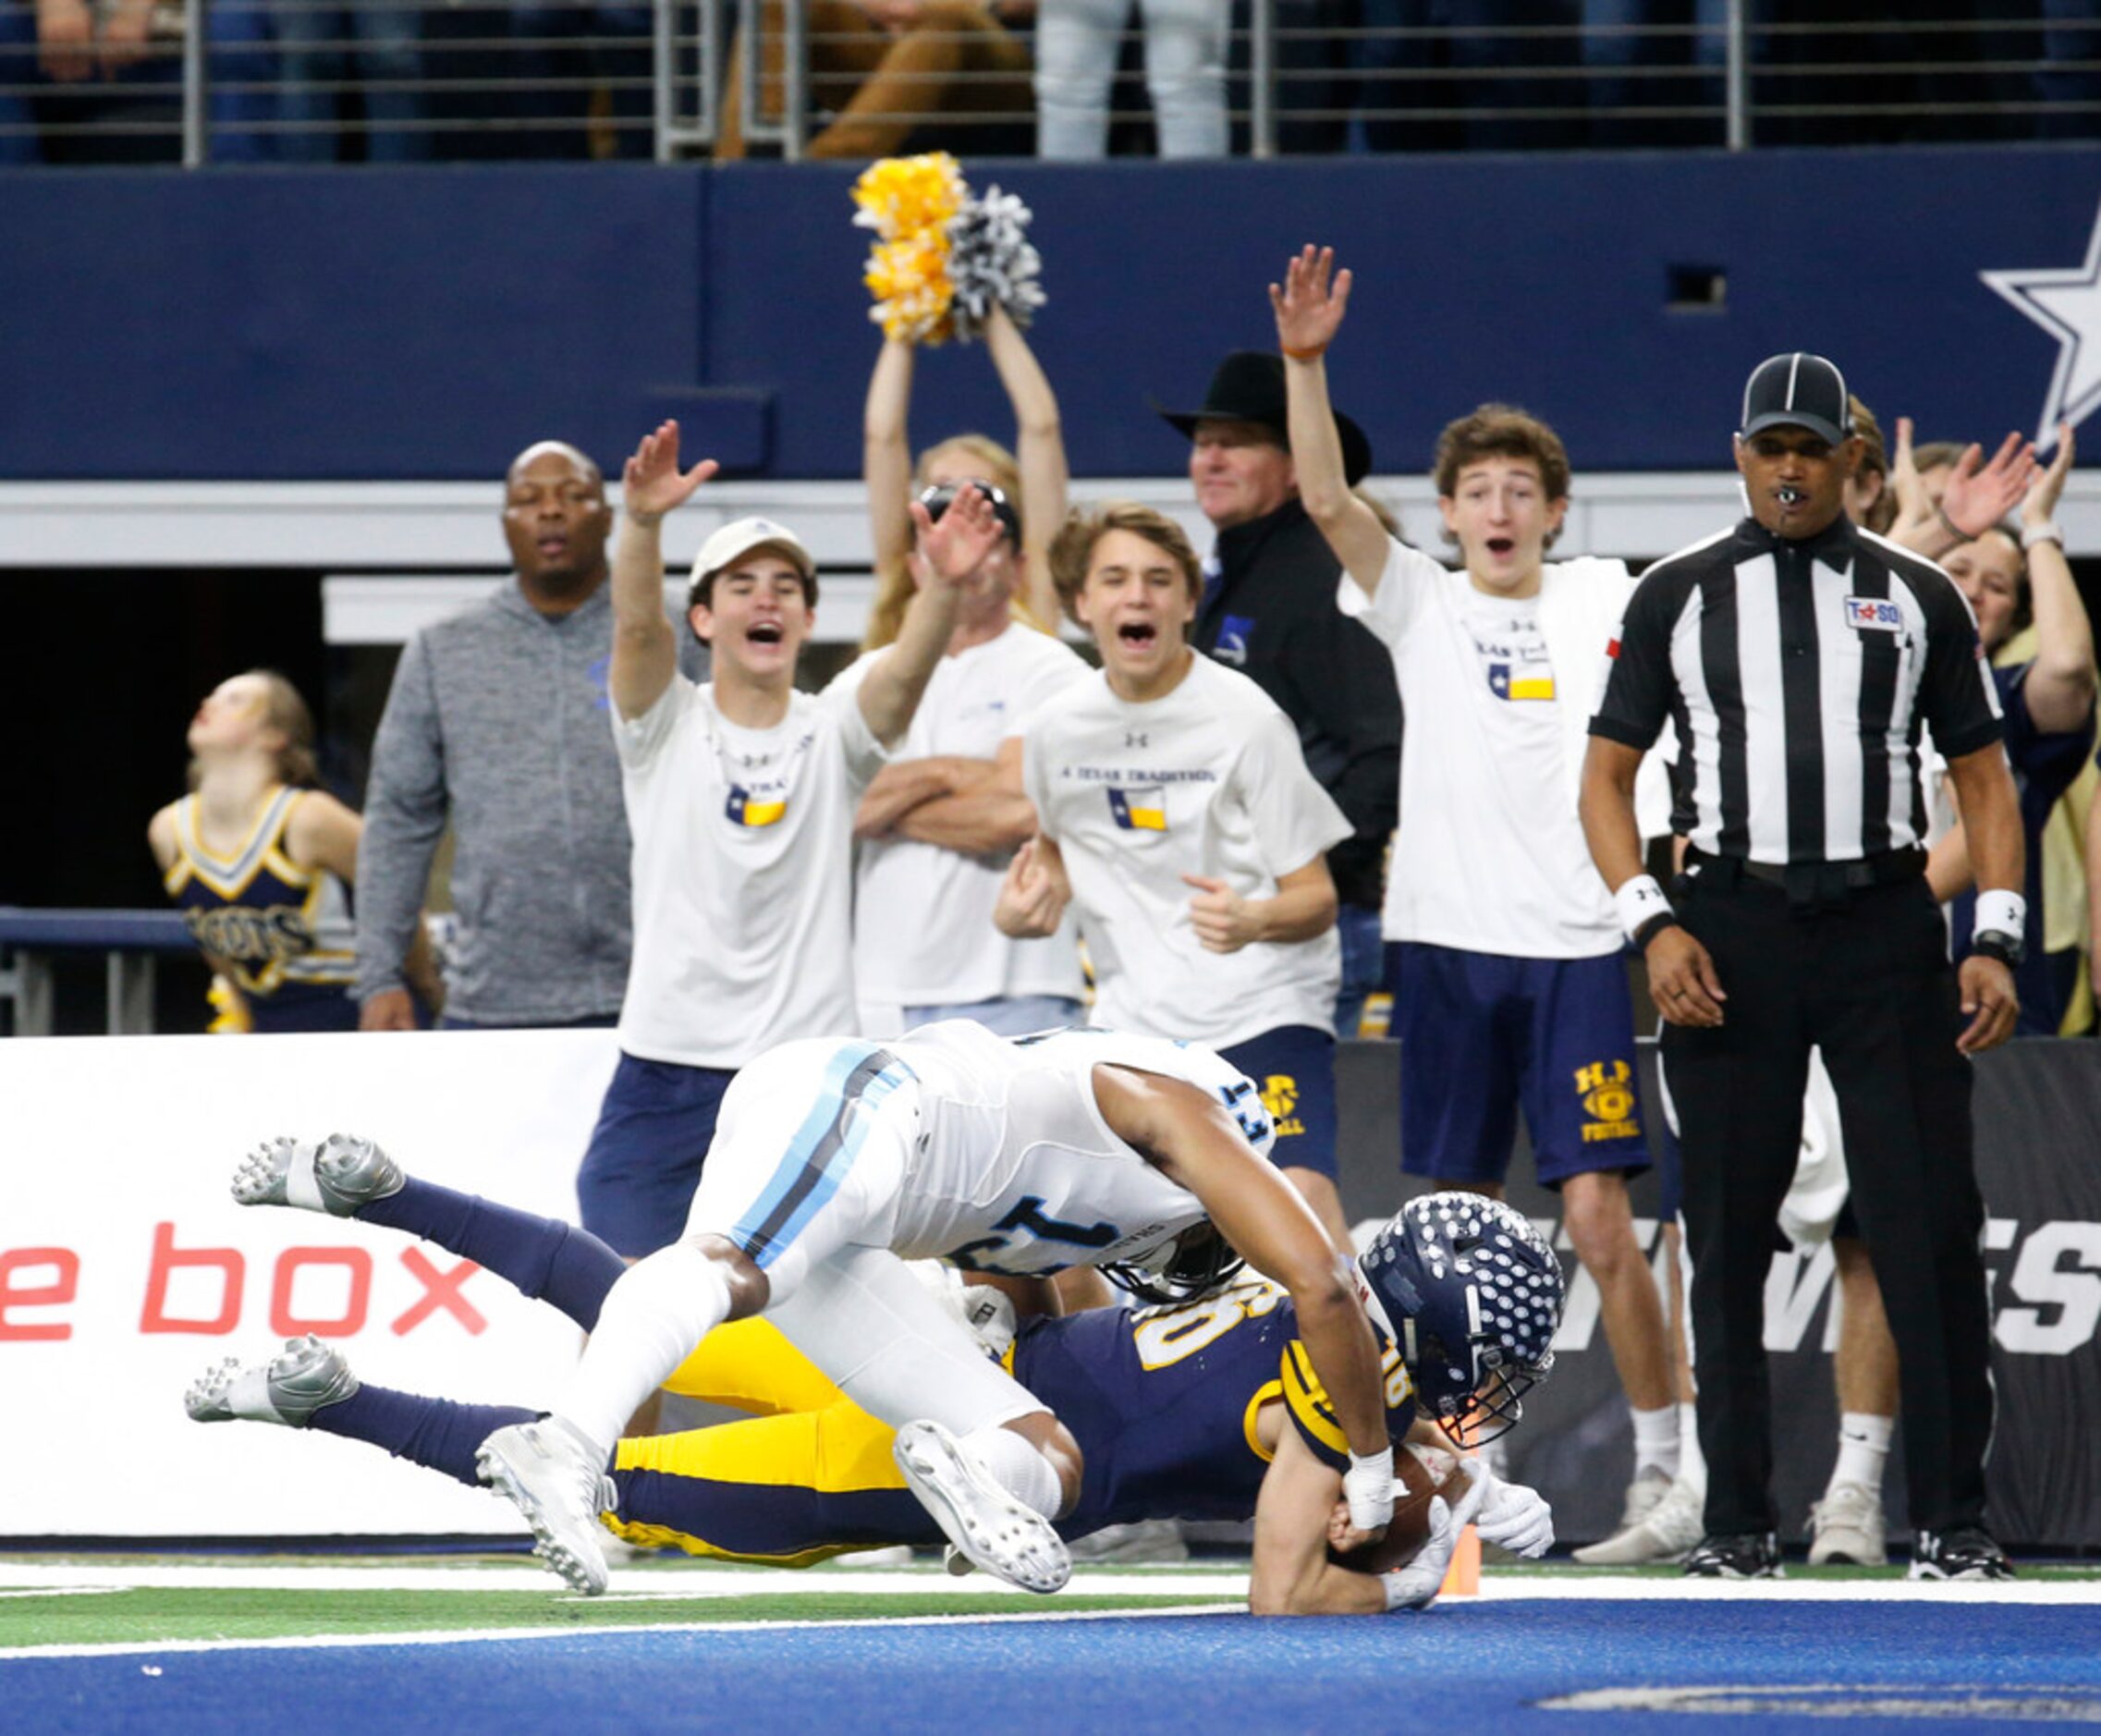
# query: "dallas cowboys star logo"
{"points": [[2066, 303]]}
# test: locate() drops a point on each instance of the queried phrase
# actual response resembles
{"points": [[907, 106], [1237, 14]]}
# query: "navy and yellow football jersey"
{"points": [[284, 932], [1162, 1402]]}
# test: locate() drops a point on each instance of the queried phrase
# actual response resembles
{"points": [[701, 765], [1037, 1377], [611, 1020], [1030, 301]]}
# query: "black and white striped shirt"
{"points": [[1800, 674]]}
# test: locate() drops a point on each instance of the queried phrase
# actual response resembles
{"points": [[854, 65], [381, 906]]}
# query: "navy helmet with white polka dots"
{"points": [[1471, 1294]]}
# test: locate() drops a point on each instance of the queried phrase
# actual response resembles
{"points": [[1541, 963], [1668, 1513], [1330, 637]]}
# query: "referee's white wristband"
{"points": [[2000, 913], [1641, 900]]}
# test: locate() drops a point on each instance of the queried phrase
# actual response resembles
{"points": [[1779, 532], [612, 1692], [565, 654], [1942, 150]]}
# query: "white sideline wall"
{"points": [[111, 1147]]}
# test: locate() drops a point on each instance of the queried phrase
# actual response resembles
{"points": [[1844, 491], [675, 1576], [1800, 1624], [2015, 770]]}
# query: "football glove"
{"points": [[1416, 1585], [1367, 1486], [1513, 1516]]}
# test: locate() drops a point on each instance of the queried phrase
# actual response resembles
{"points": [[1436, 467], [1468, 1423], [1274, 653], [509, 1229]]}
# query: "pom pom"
{"points": [[991, 262], [903, 196], [943, 258], [909, 281]]}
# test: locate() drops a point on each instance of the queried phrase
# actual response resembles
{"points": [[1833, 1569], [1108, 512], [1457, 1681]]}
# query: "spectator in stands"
{"points": [[102, 84], [740, 794], [1464, 57], [1268, 611], [257, 858], [1871, 500], [1504, 944], [582, 70], [1169, 772], [496, 722], [1076, 43], [1033, 477], [886, 76], [2013, 579], [1651, 55], [326, 54], [938, 826]]}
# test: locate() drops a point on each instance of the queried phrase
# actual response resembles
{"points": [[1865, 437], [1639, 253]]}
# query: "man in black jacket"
{"points": [[1269, 611]]}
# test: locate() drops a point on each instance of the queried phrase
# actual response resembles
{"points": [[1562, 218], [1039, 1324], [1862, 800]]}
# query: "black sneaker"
{"points": [[1965, 1554], [1742, 1555]]}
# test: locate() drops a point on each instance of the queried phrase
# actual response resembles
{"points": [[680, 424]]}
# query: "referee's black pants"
{"points": [[1868, 980]]}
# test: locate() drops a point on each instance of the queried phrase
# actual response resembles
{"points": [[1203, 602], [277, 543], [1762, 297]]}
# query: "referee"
{"points": [[1801, 660]]}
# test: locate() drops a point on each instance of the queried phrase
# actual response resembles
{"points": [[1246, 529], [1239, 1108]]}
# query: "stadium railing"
{"points": [[304, 80]]}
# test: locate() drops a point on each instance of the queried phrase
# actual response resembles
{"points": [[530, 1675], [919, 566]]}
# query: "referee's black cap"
{"points": [[1798, 390]]}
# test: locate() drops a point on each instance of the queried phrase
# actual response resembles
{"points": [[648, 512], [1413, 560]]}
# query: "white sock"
{"points": [[1692, 1462], [1863, 1450], [1655, 1440], [652, 1319], [1018, 1468]]}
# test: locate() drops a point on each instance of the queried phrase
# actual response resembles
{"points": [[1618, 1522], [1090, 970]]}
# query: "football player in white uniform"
{"points": [[835, 1161]]}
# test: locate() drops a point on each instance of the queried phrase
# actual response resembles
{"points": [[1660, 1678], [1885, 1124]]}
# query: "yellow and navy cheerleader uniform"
{"points": [[284, 932], [1162, 1402]]}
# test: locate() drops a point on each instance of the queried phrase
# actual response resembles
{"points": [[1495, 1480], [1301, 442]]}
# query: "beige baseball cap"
{"points": [[740, 537]]}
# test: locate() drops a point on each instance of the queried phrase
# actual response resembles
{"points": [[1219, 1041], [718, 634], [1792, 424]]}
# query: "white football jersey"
{"points": [[1015, 1170]]}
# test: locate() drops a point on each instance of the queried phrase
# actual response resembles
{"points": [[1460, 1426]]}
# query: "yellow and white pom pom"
{"points": [[900, 197], [909, 279]]}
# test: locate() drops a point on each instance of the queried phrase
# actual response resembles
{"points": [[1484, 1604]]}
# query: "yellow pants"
{"points": [[808, 1476]]}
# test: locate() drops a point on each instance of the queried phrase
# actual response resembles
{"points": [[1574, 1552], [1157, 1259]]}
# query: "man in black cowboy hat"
{"points": [[1268, 610]]}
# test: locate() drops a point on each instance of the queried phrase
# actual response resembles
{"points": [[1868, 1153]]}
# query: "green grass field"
{"points": [[70, 1602]]}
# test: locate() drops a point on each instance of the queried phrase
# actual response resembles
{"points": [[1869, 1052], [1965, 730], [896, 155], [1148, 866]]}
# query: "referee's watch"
{"points": [[1996, 943]]}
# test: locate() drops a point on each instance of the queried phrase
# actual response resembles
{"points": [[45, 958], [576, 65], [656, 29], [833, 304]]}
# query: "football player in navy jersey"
{"points": [[1201, 1408]]}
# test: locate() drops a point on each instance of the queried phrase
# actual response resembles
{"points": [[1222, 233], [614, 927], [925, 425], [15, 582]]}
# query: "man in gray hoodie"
{"points": [[497, 720]]}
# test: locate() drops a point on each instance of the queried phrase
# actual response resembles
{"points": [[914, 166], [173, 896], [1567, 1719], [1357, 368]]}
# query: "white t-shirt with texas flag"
{"points": [[1489, 855], [1207, 781]]}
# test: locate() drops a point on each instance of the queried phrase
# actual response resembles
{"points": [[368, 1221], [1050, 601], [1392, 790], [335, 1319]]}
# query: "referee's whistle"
{"points": [[1791, 496]]}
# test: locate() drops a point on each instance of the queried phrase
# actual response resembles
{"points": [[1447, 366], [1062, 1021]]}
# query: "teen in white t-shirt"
{"points": [[1509, 983], [1176, 809], [740, 796], [939, 824]]}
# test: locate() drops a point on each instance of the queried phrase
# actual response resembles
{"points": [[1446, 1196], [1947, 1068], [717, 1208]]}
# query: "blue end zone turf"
{"points": [[1479, 1668]]}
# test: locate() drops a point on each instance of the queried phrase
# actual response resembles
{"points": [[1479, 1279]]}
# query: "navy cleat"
{"points": [[289, 1388], [339, 1174]]}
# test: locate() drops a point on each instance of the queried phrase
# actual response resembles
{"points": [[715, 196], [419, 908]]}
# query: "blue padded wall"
{"points": [[427, 323]]}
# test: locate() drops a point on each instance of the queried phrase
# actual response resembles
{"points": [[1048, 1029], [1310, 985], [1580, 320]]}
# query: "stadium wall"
{"points": [[125, 1269], [427, 323]]}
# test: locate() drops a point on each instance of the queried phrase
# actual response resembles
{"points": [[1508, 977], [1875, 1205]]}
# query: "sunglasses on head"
{"points": [[936, 499]]}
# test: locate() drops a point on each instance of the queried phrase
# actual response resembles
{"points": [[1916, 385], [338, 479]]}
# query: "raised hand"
{"points": [[1309, 309], [1913, 507], [1979, 494], [651, 482], [955, 545], [2041, 502]]}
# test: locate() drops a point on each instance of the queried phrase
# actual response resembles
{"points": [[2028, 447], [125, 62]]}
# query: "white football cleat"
{"points": [[1005, 1536], [336, 1175], [1848, 1528], [557, 1480], [1662, 1526], [289, 1388]]}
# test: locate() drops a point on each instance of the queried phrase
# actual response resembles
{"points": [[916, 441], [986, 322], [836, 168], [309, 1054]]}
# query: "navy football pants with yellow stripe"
{"points": [[809, 1475]]}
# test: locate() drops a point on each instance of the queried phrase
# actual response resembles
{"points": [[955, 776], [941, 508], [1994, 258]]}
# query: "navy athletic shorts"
{"points": [[654, 1128], [1293, 1067], [1482, 1033]]}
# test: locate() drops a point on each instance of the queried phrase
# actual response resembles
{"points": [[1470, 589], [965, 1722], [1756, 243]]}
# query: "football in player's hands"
{"points": [[1427, 1473]]}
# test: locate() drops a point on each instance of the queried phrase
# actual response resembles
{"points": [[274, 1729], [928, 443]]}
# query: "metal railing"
{"points": [[301, 80]]}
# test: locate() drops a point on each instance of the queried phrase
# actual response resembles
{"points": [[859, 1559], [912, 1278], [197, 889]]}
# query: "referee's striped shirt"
{"points": [[1800, 674]]}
